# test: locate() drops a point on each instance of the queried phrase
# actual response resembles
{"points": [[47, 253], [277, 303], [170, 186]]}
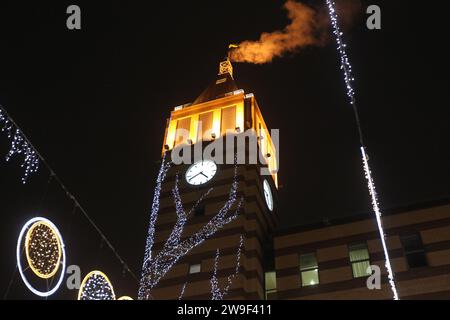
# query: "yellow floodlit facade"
{"points": [[232, 112]]}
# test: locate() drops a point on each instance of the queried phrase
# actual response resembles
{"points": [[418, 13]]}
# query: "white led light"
{"points": [[154, 268], [18, 256], [348, 78], [377, 211], [216, 292], [19, 146]]}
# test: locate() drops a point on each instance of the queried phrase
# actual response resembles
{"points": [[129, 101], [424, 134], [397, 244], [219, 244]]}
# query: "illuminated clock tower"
{"points": [[221, 110]]}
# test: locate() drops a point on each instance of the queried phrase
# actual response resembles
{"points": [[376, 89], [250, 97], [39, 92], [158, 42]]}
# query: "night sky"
{"points": [[94, 103]]}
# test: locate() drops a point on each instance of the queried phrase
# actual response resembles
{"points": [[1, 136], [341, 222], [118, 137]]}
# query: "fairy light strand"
{"points": [[19, 146], [182, 291], [216, 292], [376, 209], [154, 268], [348, 79]]}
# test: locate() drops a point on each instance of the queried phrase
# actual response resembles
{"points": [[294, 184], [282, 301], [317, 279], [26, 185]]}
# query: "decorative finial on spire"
{"points": [[226, 66]]}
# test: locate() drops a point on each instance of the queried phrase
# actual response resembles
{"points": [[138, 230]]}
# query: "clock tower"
{"points": [[221, 111]]}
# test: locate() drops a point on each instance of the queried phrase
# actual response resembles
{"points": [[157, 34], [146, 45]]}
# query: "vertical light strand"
{"points": [[376, 209], [348, 79]]}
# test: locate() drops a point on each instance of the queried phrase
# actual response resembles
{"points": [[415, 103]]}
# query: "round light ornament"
{"points": [[44, 252], [96, 286]]}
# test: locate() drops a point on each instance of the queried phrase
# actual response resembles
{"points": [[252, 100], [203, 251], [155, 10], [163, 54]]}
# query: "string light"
{"points": [[216, 292], [151, 228], [346, 67], [96, 286], [45, 252], [154, 268], [348, 78], [19, 146], [182, 291], [376, 209]]}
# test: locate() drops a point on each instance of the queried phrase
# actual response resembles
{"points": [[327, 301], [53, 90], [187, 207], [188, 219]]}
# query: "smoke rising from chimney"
{"points": [[308, 27]]}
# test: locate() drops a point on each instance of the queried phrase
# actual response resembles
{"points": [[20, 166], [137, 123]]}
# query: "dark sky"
{"points": [[94, 103]]}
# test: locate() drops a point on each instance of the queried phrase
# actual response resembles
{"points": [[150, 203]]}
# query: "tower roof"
{"points": [[223, 84]]}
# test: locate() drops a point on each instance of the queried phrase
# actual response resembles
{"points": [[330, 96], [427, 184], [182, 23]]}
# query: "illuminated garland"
{"points": [[142, 294], [155, 268], [19, 145], [376, 209], [216, 292], [182, 291], [348, 78], [96, 286], [45, 253]]}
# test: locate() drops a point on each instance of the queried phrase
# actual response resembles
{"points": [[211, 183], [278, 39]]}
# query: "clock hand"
{"points": [[194, 176], [204, 175]]}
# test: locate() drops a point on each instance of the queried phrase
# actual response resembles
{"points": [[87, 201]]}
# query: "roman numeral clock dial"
{"points": [[201, 172]]}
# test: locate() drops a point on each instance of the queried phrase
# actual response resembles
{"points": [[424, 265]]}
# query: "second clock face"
{"points": [[201, 172], [268, 195]]}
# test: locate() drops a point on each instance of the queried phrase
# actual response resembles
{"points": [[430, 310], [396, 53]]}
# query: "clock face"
{"points": [[201, 172], [268, 195]]}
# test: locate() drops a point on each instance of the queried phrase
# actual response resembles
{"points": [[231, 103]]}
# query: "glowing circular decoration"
{"points": [[96, 286], [125, 298], [44, 248]]}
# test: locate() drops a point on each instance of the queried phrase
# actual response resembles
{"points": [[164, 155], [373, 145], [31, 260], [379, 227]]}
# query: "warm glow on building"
{"points": [[220, 110]]}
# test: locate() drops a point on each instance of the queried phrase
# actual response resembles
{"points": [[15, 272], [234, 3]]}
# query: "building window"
{"points": [[270, 282], [228, 120], [414, 250], [182, 133], [360, 260], [309, 270], [194, 268], [205, 124]]}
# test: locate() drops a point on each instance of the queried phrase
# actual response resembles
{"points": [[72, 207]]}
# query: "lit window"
{"points": [[414, 251], [309, 270], [228, 119], [194, 268], [182, 133], [205, 123], [270, 282], [360, 260]]}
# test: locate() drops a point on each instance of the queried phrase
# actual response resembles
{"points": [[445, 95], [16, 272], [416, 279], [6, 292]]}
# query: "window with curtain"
{"points": [[182, 133], [414, 250], [360, 260], [228, 120], [205, 123], [270, 282], [309, 270]]}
